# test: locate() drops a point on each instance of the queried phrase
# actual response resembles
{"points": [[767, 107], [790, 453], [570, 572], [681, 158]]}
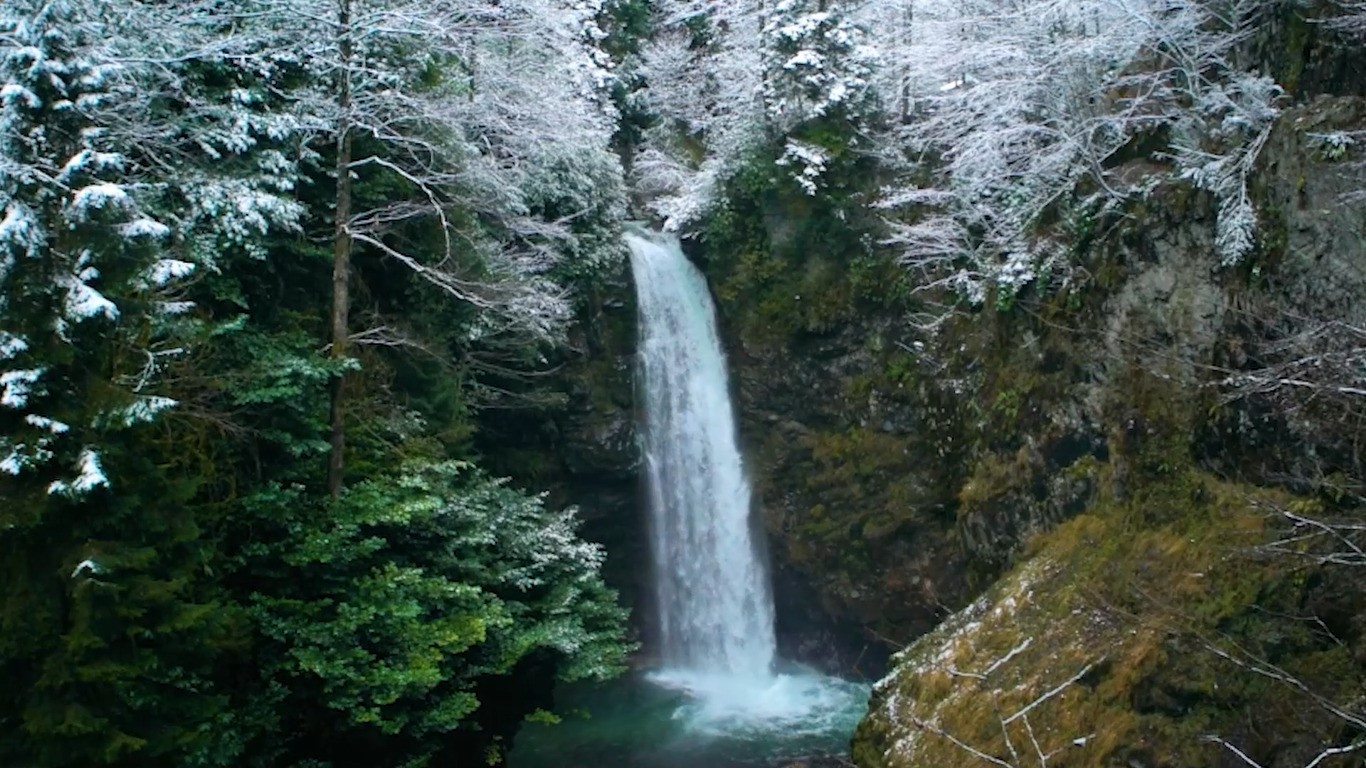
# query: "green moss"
{"points": [[992, 478], [867, 473], [1140, 588], [1298, 38], [785, 263]]}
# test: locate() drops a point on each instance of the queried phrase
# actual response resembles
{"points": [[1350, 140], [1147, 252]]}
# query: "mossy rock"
{"points": [[1111, 645]]}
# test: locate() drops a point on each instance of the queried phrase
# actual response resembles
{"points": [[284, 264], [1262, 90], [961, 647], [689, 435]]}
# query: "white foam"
{"points": [[796, 705]]}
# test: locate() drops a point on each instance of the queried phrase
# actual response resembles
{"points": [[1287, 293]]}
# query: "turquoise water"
{"points": [[673, 720]]}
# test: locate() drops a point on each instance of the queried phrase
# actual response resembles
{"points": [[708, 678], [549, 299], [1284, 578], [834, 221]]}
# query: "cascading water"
{"points": [[714, 602], [714, 606], [720, 698]]}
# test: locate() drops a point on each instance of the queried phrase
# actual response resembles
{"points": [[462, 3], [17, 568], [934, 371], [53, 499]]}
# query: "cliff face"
{"points": [[1166, 424], [1099, 464], [858, 517], [574, 433]]}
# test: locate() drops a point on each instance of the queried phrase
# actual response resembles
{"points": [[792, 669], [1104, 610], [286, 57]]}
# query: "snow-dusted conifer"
{"points": [[121, 177], [72, 244], [819, 67], [817, 61]]}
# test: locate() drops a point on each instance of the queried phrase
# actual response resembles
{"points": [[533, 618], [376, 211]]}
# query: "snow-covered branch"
{"points": [[702, 73], [1013, 107]]}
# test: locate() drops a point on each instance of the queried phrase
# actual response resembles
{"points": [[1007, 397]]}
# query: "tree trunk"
{"points": [[908, 40], [341, 251]]}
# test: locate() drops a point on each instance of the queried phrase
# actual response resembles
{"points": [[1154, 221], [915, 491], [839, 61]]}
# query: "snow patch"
{"points": [[174, 307], [10, 92], [87, 566], [141, 411], [812, 161], [98, 196], [44, 423], [11, 346], [13, 464], [90, 475], [89, 160], [82, 300], [16, 386], [144, 227], [166, 270], [20, 228]]}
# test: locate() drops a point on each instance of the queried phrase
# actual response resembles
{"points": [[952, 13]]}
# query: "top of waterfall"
{"points": [[642, 230]]}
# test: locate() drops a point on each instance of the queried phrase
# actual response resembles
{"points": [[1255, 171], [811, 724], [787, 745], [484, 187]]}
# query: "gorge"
{"points": [[682, 384]]}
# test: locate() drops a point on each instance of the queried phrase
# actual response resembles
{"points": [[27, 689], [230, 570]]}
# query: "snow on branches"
{"points": [[703, 78], [818, 63], [76, 214], [1013, 106], [726, 78], [495, 109], [143, 145]]}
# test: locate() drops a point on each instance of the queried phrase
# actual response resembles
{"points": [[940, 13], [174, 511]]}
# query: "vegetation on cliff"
{"points": [[1119, 368]]}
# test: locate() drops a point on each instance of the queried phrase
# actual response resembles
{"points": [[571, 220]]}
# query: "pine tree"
{"points": [[101, 647], [79, 259]]}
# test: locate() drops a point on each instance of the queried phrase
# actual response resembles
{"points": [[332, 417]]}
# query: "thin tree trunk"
{"points": [[341, 252], [905, 72]]}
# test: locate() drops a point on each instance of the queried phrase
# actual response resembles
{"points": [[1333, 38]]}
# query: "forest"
{"points": [[319, 402]]}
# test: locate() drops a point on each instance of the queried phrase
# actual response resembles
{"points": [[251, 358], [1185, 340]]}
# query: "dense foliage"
{"points": [[180, 184], [271, 271]]}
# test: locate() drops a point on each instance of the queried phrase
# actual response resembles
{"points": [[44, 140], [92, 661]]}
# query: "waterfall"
{"points": [[715, 608]]}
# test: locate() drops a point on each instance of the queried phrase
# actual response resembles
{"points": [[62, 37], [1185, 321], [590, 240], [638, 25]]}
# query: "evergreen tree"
{"points": [[107, 639], [391, 605], [179, 586]]}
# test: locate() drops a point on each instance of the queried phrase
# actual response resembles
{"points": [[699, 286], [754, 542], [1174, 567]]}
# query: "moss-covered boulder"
{"points": [[1141, 633]]}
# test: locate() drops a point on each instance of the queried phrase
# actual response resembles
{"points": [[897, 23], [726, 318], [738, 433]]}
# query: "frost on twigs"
{"points": [[702, 78], [1216, 146], [1351, 17], [1013, 111]]}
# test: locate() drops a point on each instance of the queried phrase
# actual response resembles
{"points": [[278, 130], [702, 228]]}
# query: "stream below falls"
{"points": [[651, 720]]}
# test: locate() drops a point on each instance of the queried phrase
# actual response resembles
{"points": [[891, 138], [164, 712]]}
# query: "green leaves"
{"points": [[385, 647], [174, 589], [394, 602]]}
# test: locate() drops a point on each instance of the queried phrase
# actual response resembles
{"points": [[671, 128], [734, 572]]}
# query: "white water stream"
{"points": [[713, 597], [712, 592]]}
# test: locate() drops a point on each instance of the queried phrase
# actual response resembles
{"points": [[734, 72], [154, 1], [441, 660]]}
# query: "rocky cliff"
{"points": [[1076, 487], [1180, 417]]}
